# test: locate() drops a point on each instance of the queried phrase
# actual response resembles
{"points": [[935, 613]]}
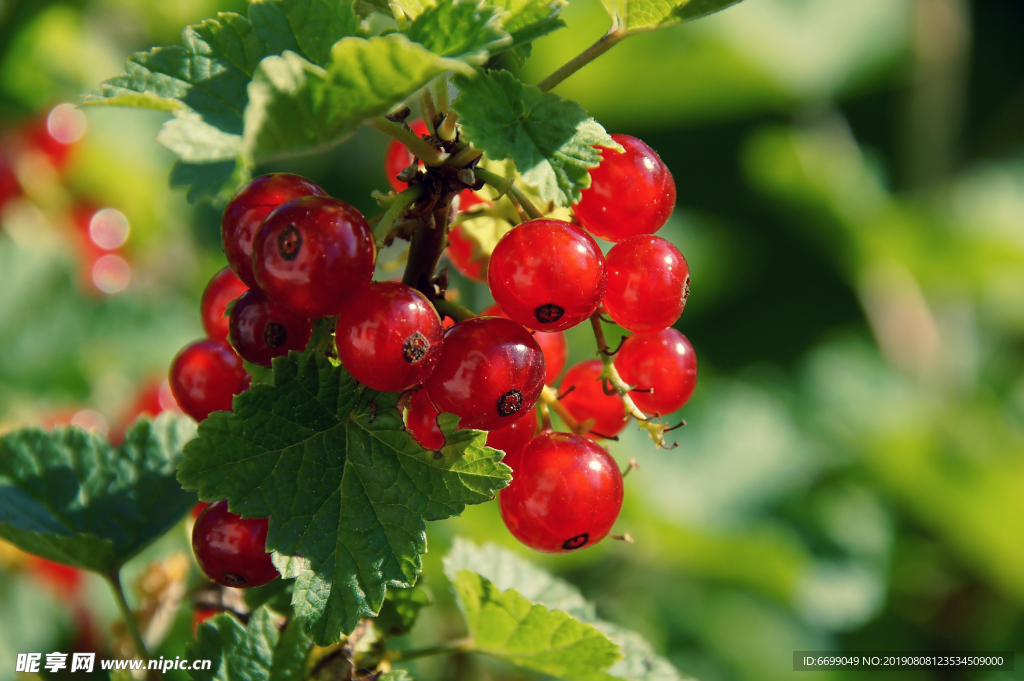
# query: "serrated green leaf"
{"points": [[411, 8], [347, 489], [70, 497], [528, 20], [508, 571], [196, 141], [258, 651], [552, 142], [641, 15], [464, 29], [308, 27], [296, 105], [277, 595], [506, 625], [400, 610]]}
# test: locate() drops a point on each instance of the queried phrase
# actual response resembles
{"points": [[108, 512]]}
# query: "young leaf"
{"points": [[465, 29], [258, 651], [634, 16], [506, 625], [552, 142], [347, 489], [70, 497], [205, 83], [296, 105], [508, 571], [527, 20]]}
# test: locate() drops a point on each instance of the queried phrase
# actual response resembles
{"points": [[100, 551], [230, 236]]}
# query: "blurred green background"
{"points": [[851, 202]]}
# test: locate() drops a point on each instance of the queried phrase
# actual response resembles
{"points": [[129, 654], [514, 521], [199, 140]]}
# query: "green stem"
{"points": [[396, 209], [442, 95], [449, 308], [419, 147], [446, 130], [114, 579], [502, 184], [526, 204], [429, 110], [465, 157], [607, 42], [460, 646]]}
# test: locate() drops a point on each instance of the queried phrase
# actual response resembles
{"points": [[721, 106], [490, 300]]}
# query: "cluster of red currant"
{"points": [[300, 255]]}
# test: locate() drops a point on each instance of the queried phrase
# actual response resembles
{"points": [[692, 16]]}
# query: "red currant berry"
{"points": [[552, 344], [198, 508], [490, 373], [513, 438], [584, 397], [232, 550], [205, 376], [547, 275], [245, 212], [421, 421], [222, 289], [312, 254], [261, 330], [463, 255], [662, 366], [630, 193], [566, 493], [390, 337], [648, 283]]}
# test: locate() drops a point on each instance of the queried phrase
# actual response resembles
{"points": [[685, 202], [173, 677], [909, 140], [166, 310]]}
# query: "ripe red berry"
{"points": [[204, 377], [222, 289], [421, 420], [312, 254], [198, 508], [490, 373], [246, 211], [566, 493], [584, 397], [232, 550], [261, 330], [463, 255], [630, 193], [552, 344], [648, 283], [662, 366], [390, 337], [547, 275]]}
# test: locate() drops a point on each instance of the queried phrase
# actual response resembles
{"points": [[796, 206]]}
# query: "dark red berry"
{"points": [[232, 550], [311, 255], [261, 330], [566, 493], [205, 376], [585, 398], [198, 508], [648, 283], [421, 421], [464, 255], [490, 373], [552, 344], [662, 366], [390, 337], [246, 211], [547, 275], [630, 193], [222, 289]]}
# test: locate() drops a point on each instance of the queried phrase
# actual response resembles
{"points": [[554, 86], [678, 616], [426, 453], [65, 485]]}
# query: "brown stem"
{"points": [[426, 247]]}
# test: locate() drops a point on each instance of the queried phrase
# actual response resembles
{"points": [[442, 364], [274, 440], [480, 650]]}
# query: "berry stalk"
{"points": [[605, 43], [396, 209], [656, 429], [507, 186], [114, 579], [426, 247], [420, 148], [549, 397]]}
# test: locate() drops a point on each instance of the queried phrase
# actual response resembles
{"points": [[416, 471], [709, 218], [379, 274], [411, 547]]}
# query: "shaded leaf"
{"points": [[465, 29], [528, 20], [70, 497], [258, 651], [400, 610], [347, 489]]}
